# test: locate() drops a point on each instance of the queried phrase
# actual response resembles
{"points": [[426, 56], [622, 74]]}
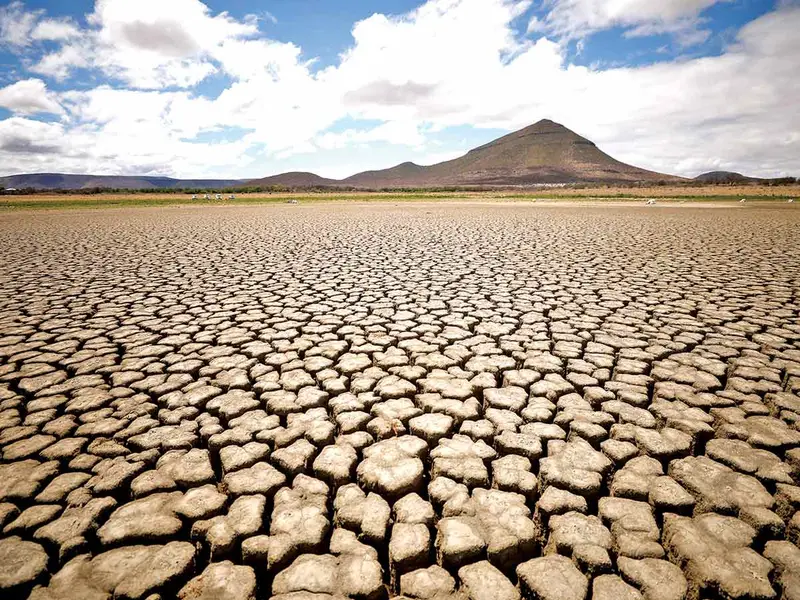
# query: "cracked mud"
{"points": [[488, 402]]}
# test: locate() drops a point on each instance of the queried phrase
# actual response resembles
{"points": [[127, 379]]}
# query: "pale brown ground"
{"points": [[553, 400], [717, 193]]}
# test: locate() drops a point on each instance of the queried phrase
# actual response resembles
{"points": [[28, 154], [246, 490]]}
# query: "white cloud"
{"points": [[447, 63], [55, 29], [61, 63], [16, 24], [578, 18], [20, 27], [29, 96], [22, 30], [29, 139], [27, 145], [392, 132], [153, 44], [147, 44]]}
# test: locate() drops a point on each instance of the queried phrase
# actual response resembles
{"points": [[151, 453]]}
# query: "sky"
{"points": [[251, 88]]}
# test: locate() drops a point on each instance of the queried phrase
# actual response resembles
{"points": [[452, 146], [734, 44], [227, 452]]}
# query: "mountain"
{"points": [[61, 181], [545, 152], [725, 177], [406, 174], [730, 177], [542, 153], [292, 179]]}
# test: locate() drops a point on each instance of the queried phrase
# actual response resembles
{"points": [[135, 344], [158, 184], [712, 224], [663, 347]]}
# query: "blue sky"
{"points": [[247, 88]]}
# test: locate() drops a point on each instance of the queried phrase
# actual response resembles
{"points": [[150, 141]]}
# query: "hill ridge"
{"points": [[545, 152], [77, 181]]}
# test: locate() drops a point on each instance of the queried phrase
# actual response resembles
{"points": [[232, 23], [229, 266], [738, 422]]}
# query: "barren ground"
{"points": [[596, 193], [367, 400]]}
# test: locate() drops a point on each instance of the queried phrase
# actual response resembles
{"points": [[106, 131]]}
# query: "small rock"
{"points": [[482, 581], [149, 519], [552, 578], [459, 541], [577, 467], [336, 464], [22, 564], [425, 584], [413, 509], [261, 478], [714, 551], [462, 460], [393, 467], [656, 579], [718, 488], [299, 521], [409, 548], [221, 581], [148, 569], [367, 514], [611, 587]]}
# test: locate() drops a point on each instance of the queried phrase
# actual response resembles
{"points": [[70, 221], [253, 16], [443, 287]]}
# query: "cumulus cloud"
{"points": [[578, 18], [404, 80], [55, 29], [145, 44], [152, 44], [393, 132], [29, 96], [389, 94], [16, 24], [61, 63], [32, 140]]}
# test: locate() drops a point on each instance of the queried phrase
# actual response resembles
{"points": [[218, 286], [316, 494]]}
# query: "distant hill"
{"points": [[730, 177], [545, 152], [406, 174], [60, 181], [292, 179], [725, 177]]}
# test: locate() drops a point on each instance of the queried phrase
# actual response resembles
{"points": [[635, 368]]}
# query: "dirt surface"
{"points": [[434, 400], [668, 195]]}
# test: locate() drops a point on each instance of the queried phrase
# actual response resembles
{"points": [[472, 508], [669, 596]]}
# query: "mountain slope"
{"points": [[403, 175], [545, 152], [292, 179], [724, 177], [61, 181]]}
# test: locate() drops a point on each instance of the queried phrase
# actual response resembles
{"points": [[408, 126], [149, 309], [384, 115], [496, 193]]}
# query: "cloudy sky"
{"points": [[248, 88]]}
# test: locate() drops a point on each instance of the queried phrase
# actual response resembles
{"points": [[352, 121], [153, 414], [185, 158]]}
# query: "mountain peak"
{"points": [[546, 126], [543, 132], [544, 152], [547, 123]]}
